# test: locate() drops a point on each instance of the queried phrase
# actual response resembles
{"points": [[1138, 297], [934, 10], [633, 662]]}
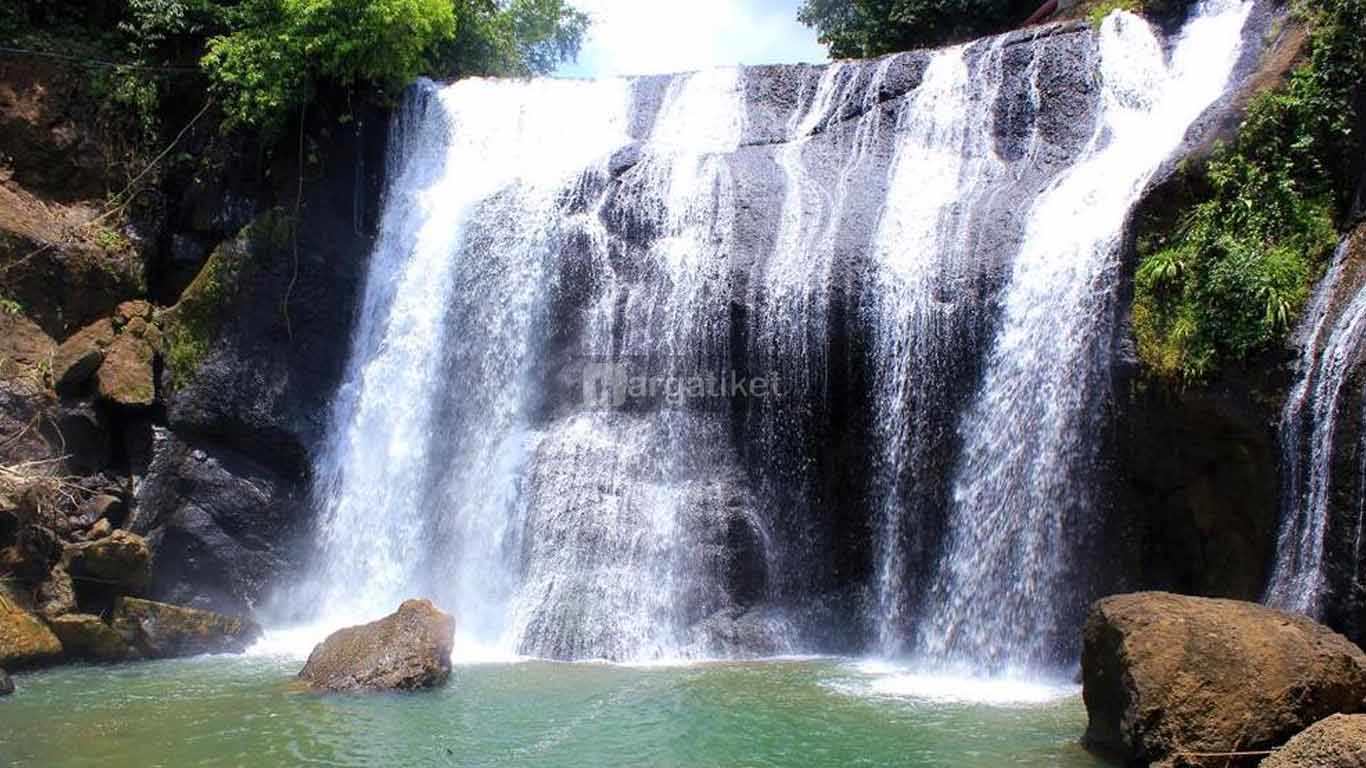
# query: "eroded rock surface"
{"points": [[1166, 675], [1334, 742], [405, 651]]}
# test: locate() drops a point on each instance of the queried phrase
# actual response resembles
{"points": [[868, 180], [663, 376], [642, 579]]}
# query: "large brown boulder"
{"points": [[121, 560], [1334, 742], [85, 636], [158, 630], [126, 376], [405, 651], [77, 359], [1167, 677], [24, 639]]}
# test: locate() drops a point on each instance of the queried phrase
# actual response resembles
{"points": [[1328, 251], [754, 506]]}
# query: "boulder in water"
{"points": [[6, 684], [405, 651], [1335, 742], [1165, 675], [158, 630]]}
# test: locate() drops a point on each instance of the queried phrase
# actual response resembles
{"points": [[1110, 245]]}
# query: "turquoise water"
{"points": [[243, 711]]}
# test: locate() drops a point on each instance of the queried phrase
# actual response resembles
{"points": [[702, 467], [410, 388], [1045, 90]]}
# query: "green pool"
{"points": [[242, 711]]}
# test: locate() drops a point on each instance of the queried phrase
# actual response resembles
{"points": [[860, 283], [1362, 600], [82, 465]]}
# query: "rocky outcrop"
{"points": [[24, 639], [56, 595], [158, 631], [222, 526], [25, 354], [121, 560], [1165, 676], [1334, 742], [126, 376], [85, 636], [80, 356], [405, 651]]}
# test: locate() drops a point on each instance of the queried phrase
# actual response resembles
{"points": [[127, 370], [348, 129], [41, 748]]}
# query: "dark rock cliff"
{"points": [[225, 495]]}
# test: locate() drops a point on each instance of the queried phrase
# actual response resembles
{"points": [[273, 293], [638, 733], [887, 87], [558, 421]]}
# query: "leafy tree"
{"points": [[265, 58], [512, 39], [862, 28], [279, 49]]}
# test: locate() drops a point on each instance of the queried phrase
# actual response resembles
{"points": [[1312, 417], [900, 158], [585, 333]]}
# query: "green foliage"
{"points": [[861, 28], [517, 38], [1229, 280], [111, 240], [279, 49], [264, 59], [1097, 13], [10, 306]]}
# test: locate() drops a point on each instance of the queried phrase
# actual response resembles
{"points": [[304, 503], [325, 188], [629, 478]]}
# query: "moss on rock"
{"points": [[85, 636], [24, 639], [158, 630], [194, 323]]}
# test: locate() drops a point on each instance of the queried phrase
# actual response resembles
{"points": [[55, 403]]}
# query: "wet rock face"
{"points": [[222, 526], [1334, 742], [405, 651], [1164, 674]]}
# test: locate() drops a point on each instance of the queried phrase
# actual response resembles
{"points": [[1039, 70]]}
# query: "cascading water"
{"points": [[432, 415], [1331, 339], [917, 251], [944, 166], [1023, 491]]}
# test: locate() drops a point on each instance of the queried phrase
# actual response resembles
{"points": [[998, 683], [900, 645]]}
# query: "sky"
{"points": [[641, 37]]}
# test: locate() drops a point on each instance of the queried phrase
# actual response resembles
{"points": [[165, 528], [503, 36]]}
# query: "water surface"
{"points": [[243, 711]]}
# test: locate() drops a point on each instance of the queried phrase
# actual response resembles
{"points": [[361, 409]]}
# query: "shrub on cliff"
{"points": [[1229, 279]]}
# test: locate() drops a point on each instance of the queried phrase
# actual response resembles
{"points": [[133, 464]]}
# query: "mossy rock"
{"points": [[121, 560], [158, 630], [191, 327], [85, 636], [24, 639]]}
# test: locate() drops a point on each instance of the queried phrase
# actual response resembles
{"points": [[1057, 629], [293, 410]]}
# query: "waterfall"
{"points": [[945, 160], [1330, 337], [432, 415], [915, 256], [1023, 494]]}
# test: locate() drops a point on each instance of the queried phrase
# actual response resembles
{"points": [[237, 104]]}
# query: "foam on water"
{"points": [[883, 679]]}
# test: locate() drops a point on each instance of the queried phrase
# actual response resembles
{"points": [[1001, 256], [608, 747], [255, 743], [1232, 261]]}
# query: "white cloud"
{"points": [[639, 37]]}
